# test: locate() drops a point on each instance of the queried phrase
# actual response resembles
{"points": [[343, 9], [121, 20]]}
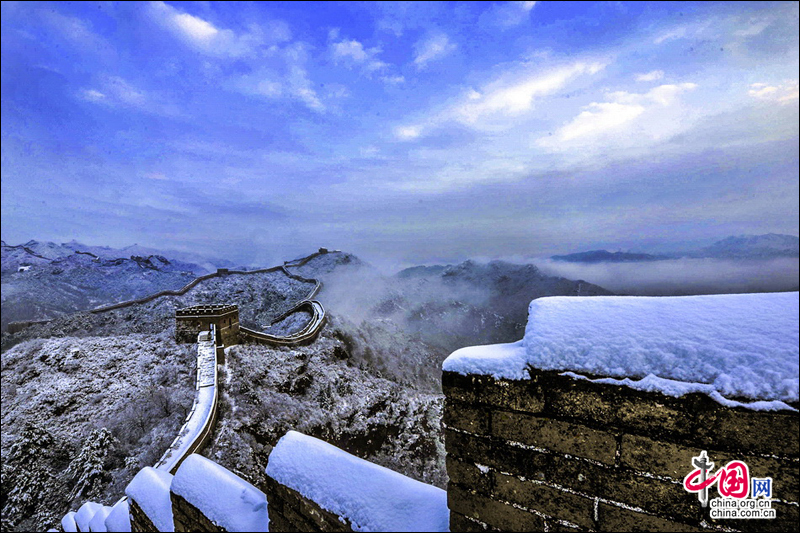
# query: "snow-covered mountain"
{"points": [[42, 280]]}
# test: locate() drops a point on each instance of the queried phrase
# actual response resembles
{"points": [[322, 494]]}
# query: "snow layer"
{"points": [[68, 522], [119, 518], [150, 490], [225, 498], [85, 514], [734, 345], [98, 521], [373, 498]]}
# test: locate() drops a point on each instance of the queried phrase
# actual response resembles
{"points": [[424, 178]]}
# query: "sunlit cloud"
{"points": [[519, 96], [783, 93], [205, 37], [431, 49]]}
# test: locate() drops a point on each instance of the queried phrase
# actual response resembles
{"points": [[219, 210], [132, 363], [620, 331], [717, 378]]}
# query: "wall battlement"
{"points": [[555, 452], [191, 321]]}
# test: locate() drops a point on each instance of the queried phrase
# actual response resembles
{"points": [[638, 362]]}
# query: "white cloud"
{"points": [[431, 49], [653, 75], [618, 117], [92, 95], [407, 133], [393, 80], [352, 53], [783, 93], [518, 97], [194, 27], [599, 118], [203, 36], [287, 80], [119, 93], [507, 14]]}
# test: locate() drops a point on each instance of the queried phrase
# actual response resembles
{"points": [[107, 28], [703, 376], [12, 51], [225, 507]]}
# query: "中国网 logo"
{"points": [[734, 485]]}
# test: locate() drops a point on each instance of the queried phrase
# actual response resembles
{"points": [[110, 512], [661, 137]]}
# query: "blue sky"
{"points": [[403, 132]]}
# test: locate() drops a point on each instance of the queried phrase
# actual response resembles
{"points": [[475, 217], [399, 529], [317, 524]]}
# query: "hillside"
{"points": [[45, 280]]}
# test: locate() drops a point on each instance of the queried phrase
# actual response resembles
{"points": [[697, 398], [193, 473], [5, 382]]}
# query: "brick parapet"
{"points": [[291, 511], [577, 454], [139, 519], [187, 517]]}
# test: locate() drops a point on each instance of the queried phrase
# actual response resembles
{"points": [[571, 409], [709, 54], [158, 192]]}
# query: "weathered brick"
{"points": [[674, 460], [469, 475], [291, 504], [554, 435], [467, 417], [496, 514], [467, 447], [517, 395], [745, 431], [554, 525], [459, 522], [613, 518], [298, 521], [278, 523], [575, 474], [187, 517], [548, 500], [653, 495], [139, 519], [608, 406]]}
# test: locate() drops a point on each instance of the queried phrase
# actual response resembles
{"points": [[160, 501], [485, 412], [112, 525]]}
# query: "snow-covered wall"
{"points": [[314, 486], [729, 346], [200, 421], [532, 447]]}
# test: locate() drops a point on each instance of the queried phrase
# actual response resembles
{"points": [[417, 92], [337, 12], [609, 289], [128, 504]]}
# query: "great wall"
{"points": [[553, 452], [199, 424]]}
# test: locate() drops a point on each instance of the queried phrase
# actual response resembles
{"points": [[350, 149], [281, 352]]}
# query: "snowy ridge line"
{"points": [[194, 282], [199, 424]]}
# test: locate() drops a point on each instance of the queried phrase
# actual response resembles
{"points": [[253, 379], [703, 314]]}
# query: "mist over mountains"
{"points": [[754, 247], [747, 263]]}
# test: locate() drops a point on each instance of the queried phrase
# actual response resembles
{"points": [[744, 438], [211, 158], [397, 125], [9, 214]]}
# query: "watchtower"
{"points": [[192, 320]]}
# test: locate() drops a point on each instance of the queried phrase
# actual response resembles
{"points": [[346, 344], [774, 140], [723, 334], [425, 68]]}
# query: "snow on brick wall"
{"points": [[149, 490], [221, 496], [736, 345], [368, 496]]}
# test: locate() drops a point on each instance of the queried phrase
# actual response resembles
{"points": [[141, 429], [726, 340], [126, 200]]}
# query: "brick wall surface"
{"points": [[139, 520], [187, 517], [290, 511], [554, 453]]}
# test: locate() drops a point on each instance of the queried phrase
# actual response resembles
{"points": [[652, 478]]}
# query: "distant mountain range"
{"points": [[42, 280], [751, 247]]}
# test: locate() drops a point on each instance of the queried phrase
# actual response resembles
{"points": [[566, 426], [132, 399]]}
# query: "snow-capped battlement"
{"points": [[742, 346]]}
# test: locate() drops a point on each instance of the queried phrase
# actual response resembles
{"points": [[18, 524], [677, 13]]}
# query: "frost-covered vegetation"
{"points": [[80, 416], [321, 391]]}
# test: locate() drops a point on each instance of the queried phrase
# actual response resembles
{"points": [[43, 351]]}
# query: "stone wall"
{"points": [[554, 453], [139, 519], [187, 517], [290, 511]]}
